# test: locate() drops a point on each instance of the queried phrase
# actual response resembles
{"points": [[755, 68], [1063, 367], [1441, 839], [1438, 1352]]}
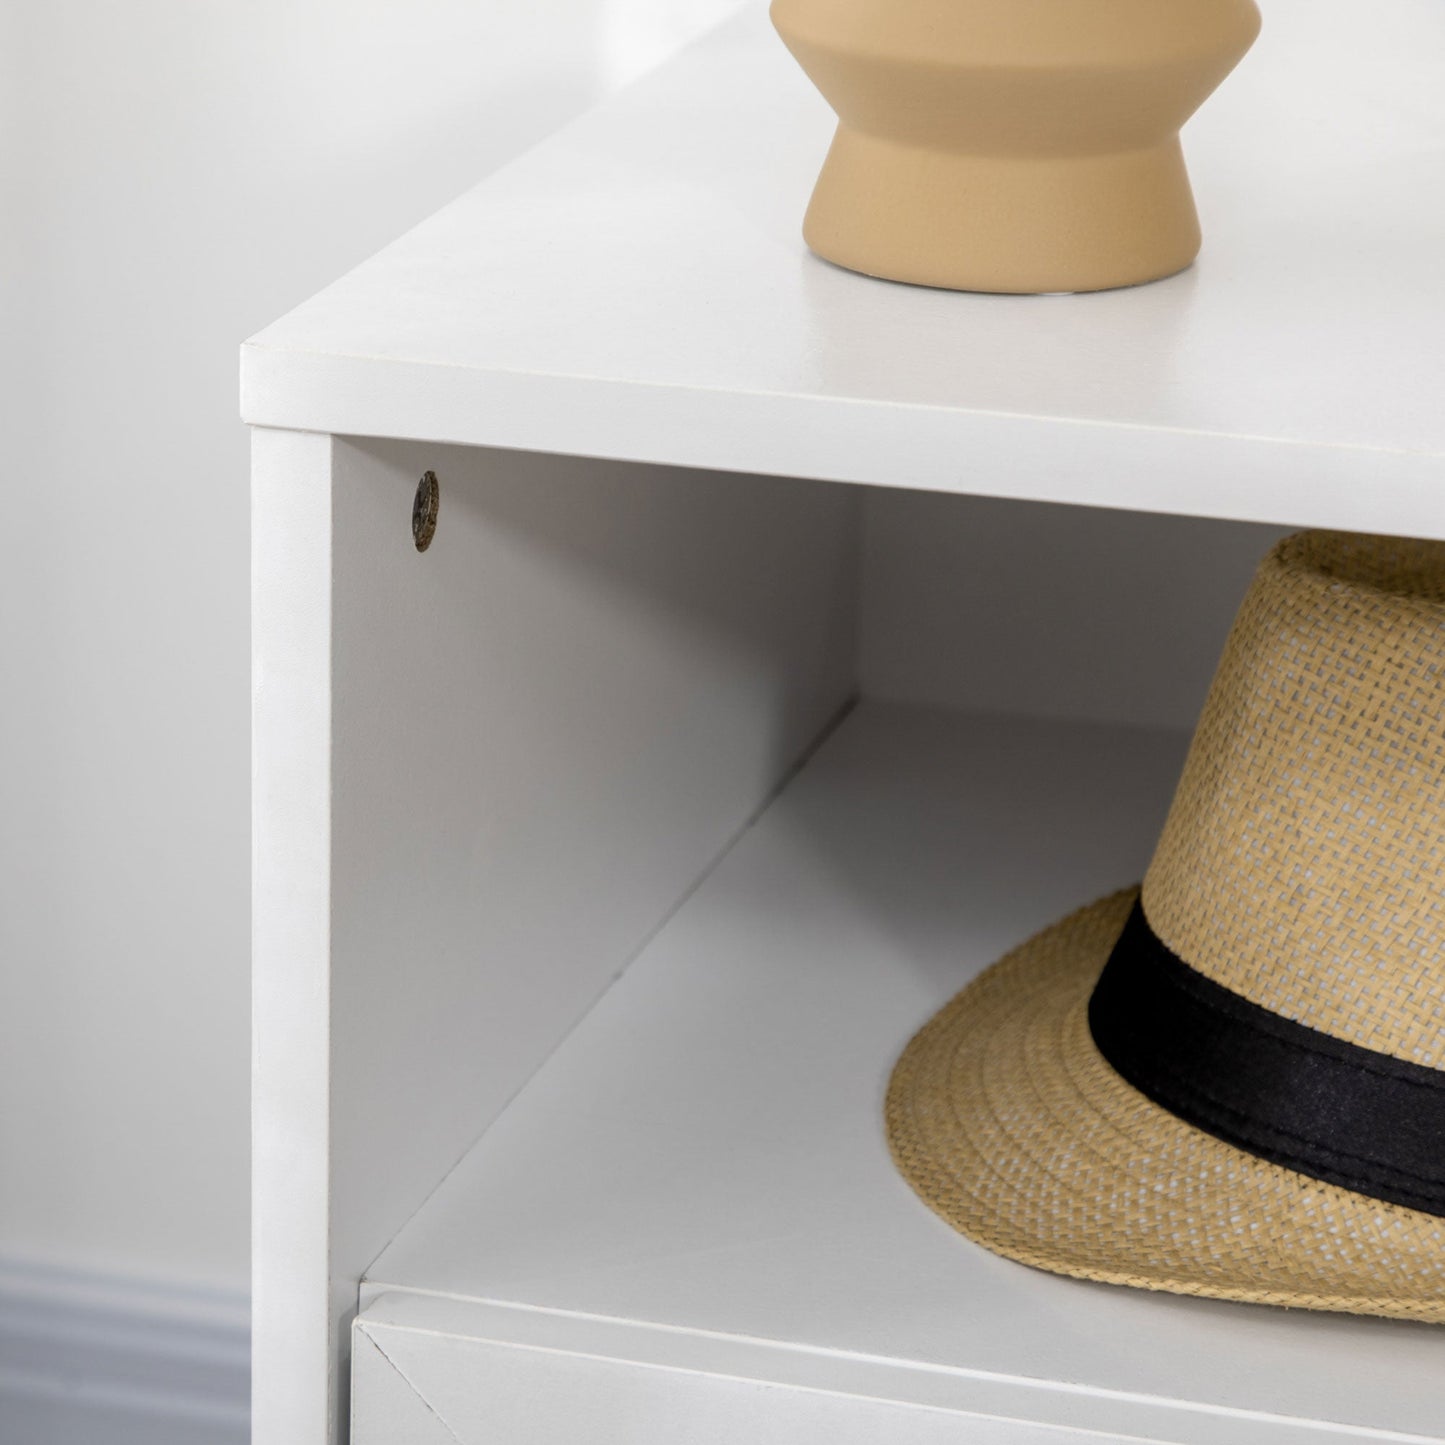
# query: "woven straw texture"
{"points": [[1302, 865]]}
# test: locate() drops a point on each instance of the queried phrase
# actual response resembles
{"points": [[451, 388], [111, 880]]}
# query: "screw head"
{"points": [[424, 511]]}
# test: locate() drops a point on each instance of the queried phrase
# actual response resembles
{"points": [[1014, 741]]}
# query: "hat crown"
{"points": [[1302, 864]]}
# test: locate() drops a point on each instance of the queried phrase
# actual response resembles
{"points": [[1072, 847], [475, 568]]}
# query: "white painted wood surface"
{"points": [[425, 1367], [298, 1313], [485, 1373], [696, 1187], [636, 287], [386, 1406], [485, 775]]}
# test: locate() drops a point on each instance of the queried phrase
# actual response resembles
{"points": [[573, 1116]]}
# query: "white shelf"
{"points": [[637, 288], [697, 1182]]}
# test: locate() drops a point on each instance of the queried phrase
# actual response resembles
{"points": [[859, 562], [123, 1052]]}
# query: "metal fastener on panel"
{"points": [[424, 511]]}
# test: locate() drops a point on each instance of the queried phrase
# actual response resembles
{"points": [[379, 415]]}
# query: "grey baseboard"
{"points": [[89, 1359]]}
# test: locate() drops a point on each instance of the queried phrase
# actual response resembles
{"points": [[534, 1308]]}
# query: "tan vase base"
{"points": [[1003, 224]]}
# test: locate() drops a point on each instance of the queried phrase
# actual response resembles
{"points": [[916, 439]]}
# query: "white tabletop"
{"points": [[637, 287]]}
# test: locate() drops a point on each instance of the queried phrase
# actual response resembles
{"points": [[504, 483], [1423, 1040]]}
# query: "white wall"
{"points": [[174, 174]]}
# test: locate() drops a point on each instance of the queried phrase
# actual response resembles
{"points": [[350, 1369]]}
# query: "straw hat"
{"points": [[1249, 1100]]}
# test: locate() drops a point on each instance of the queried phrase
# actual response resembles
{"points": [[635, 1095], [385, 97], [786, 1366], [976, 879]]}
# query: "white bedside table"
{"points": [[573, 1003]]}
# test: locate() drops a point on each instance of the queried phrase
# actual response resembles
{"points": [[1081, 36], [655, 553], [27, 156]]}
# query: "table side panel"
{"points": [[485, 774]]}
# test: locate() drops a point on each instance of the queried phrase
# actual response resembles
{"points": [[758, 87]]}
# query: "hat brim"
{"points": [[1009, 1124]]}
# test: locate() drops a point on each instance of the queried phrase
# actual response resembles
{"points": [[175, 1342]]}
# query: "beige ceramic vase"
{"points": [[1011, 145]]}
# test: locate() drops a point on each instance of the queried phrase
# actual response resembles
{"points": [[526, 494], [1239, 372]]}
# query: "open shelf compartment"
{"points": [[576, 999], [693, 1199]]}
